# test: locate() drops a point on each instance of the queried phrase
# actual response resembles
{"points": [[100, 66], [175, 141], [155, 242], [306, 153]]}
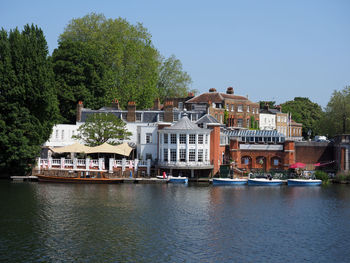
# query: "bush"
{"points": [[342, 177], [322, 176]]}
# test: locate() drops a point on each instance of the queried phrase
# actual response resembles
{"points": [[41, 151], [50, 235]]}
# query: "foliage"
{"points": [[336, 119], [341, 177], [225, 116], [321, 175], [253, 123], [306, 112], [102, 127], [172, 81], [80, 74], [127, 52], [28, 103], [270, 103]]}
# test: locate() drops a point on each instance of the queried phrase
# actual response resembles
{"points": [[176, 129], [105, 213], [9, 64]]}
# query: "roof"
{"points": [[269, 111], [215, 97], [184, 124], [207, 119], [254, 133]]}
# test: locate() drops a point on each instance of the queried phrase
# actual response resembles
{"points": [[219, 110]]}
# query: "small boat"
{"points": [[264, 181], [60, 179], [179, 179], [160, 177], [304, 182], [229, 181]]}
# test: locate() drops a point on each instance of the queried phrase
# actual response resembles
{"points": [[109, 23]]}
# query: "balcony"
{"points": [[186, 165]]}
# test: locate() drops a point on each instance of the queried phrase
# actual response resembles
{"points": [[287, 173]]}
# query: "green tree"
{"points": [[263, 103], [28, 102], [336, 119], [172, 80], [306, 112], [102, 127], [80, 74], [126, 50]]}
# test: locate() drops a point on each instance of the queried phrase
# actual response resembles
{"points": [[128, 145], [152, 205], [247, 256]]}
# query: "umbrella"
{"points": [[74, 148], [297, 165]]}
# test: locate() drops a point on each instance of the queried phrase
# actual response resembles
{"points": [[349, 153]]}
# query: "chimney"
{"points": [[131, 117], [190, 95], [229, 90], [279, 108], [156, 105], [115, 104], [168, 111], [80, 107], [212, 90]]}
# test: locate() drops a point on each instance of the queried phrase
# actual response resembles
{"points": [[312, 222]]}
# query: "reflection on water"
{"points": [[170, 223]]}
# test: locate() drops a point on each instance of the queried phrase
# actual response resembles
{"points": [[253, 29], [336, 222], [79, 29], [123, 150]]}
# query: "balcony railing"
{"points": [[185, 164]]}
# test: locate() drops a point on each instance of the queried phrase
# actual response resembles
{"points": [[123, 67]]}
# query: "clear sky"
{"points": [[268, 50]]}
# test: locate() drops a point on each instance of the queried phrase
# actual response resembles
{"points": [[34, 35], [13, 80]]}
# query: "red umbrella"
{"points": [[297, 165], [317, 164]]}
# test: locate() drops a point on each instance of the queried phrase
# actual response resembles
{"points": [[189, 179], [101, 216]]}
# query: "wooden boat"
{"points": [[304, 182], [61, 179], [264, 181], [229, 181]]}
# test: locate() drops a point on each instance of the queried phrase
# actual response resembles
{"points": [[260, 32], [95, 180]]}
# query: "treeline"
{"points": [[97, 60], [331, 121]]}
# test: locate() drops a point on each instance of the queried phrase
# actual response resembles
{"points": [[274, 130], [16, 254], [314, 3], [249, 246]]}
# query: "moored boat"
{"points": [[61, 179], [229, 181], [179, 179], [304, 182], [264, 181]]}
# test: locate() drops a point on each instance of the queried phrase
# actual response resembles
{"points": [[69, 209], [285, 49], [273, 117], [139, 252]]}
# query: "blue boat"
{"points": [[178, 180], [264, 181], [229, 181], [304, 182]]}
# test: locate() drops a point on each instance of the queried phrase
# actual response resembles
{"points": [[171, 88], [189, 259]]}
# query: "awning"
{"points": [[122, 149], [74, 148], [297, 165]]}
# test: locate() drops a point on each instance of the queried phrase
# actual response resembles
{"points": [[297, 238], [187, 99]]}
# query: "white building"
{"points": [[184, 148], [267, 120]]}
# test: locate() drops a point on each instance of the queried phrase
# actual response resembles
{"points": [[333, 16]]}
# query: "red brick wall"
{"points": [[215, 154], [313, 152]]}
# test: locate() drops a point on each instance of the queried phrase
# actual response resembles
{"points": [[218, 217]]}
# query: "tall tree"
{"points": [[80, 74], [172, 80], [336, 119], [306, 112], [102, 127], [28, 102], [127, 51]]}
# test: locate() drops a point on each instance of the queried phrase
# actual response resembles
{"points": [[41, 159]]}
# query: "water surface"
{"points": [[47, 222]]}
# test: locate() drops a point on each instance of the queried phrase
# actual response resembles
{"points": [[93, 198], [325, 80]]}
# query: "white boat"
{"points": [[179, 179], [304, 182], [229, 181], [264, 181]]}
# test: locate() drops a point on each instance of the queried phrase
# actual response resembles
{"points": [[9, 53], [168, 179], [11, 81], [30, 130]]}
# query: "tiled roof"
{"points": [[254, 133], [207, 119], [184, 124]]}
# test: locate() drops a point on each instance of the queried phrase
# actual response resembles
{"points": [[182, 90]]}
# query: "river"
{"points": [[46, 222]]}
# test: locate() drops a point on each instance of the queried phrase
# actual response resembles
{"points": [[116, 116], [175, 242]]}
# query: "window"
{"points": [[240, 122], [240, 108], [180, 105], [232, 107], [138, 116], [248, 108], [124, 116], [182, 138], [166, 138], [161, 116], [216, 116], [148, 137], [275, 162], [206, 139], [247, 123], [57, 134], [192, 139], [161, 140], [173, 155], [192, 155], [253, 110], [227, 107], [245, 160], [148, 156], [278, 118], [176, 116], [220, 118], [138, 138], [200, 138], [194, 117], [182, 153], [200, 155], [206, 155], [165, 155], [62, 135], [173, 138]]}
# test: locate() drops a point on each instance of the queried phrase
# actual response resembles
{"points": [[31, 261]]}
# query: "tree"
{"points": [[28, 102], [172, 80], [102, 127], [306, 112], [271, 104], [336, 119], [126, 50], [81, 75]]}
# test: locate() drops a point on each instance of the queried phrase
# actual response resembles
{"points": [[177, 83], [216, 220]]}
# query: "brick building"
{"points": [[240, 110]]}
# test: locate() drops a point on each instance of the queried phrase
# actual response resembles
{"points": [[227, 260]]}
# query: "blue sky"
{"points": [[268, 50]]}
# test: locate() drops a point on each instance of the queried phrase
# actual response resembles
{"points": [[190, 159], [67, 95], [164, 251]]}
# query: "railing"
{"points": [[185, 164]]}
